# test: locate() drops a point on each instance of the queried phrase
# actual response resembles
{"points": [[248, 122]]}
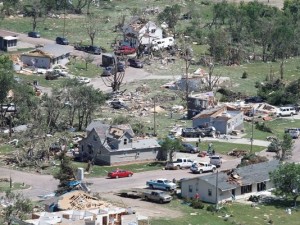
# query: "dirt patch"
{"points": [[149, 209]]}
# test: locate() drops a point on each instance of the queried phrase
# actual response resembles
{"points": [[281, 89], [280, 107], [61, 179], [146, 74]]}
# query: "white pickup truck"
{"points": [[180, 163], [202, 167]]}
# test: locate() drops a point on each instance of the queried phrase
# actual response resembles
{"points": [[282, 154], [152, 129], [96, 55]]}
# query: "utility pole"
{"points": [[64, 18], [154, 118], [217, 182], [252, 128]]}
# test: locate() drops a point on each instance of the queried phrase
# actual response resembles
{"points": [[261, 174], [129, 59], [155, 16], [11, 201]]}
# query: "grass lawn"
{"points": [[225, 147], [4, 186], [242, 214], [276, 125], [101, 171], [4, 149]]}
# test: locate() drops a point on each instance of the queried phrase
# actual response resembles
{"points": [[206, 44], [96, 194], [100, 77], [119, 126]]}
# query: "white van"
{"points": [[286, 111], [295, 133], [162, 43]]}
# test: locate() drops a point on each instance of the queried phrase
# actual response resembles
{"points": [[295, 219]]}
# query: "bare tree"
{"points": [[92, 26], [116, 79], [88, 59]]}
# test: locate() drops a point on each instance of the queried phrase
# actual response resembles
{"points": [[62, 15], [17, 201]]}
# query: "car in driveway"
{"points": [[62, 41], [92, 49], [119, 173], [125, 50], [34, 34], [110, 70], [187, 147], [135, 63]]}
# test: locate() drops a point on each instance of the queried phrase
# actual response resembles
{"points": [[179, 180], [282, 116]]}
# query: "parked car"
{"points": [[135, 63], [125, 50], [163, 184], [110, 70], [93, 49], [61, 72], [84, 80], [157, 196], [34, 34], [253, 99], [187, 147], [62, 41], [202, 167], [180, 163], [286, 111], [119, 173]]}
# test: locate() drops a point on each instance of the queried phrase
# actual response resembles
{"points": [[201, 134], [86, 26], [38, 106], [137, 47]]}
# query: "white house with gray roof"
{"points": [[116, 144], [224, 118], [46, 57], [236, 184]]}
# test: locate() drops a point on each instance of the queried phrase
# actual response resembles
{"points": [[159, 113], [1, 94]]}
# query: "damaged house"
{"points": [[236, 184], [116, 144], [46, 57], [224, 118], [141, 32]]}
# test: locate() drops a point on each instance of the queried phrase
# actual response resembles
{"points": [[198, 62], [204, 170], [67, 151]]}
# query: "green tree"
{"points": [[19, 208], [286, 146], [6, 77], [286, 180], [170, 146], [36, 11], [9, 7], [170, 15], [65, 174]]}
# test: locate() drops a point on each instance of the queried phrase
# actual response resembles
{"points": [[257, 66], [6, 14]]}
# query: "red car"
{"points": [[119, 173], [125, 50]]}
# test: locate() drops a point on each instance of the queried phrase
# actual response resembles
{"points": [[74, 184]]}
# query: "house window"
{"points": [[90, 147], [246, 189], [190, 188], [209, 192], [153, 30], [95, 138], [261, 186], [125, 141]]}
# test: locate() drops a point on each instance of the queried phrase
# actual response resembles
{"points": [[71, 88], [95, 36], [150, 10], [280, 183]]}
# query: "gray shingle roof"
{"points": [[55, 50], [96, 123], [255, 173]]}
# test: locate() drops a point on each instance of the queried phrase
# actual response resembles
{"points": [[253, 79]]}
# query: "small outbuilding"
{"points": [[8, 41]]}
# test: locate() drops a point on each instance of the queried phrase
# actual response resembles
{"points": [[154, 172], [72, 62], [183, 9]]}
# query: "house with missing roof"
{"points": [[46, 57], [116, 144], [140, 31], [224, 118], [8, 41], [227, 186]]}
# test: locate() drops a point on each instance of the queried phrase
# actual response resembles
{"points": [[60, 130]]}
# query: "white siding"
{"points": [[40, 62]]}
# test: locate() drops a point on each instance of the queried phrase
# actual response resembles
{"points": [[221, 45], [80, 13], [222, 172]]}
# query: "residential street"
{"points": [[45, 184]]}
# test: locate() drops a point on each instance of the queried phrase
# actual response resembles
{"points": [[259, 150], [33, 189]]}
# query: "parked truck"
{"points": [[216, 160], [202, 167], [198, 132], [157, 196], [180, 163], [162, 184]]}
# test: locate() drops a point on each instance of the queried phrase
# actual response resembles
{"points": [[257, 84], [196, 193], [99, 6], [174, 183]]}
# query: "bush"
{"points": [[245, 75], [197, 204], [263, 127], [211, 208]]}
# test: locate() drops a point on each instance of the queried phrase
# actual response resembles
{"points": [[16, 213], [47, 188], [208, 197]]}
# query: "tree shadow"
{"points": [[278, 202]]}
